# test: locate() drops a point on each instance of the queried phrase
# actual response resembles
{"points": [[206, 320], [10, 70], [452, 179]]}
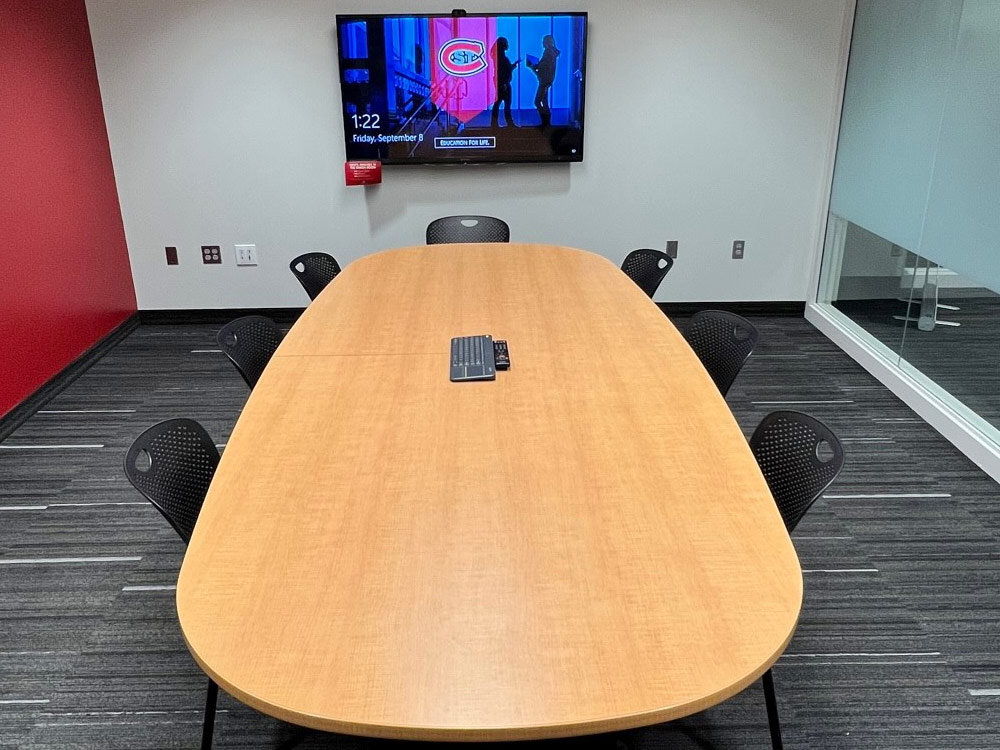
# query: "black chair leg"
{"points": [[772, 710], [208, 727]]}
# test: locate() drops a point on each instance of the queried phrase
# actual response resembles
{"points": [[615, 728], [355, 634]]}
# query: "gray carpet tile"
{"points": [[898, 644]]}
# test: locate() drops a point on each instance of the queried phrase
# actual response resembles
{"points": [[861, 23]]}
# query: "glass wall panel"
{"points": [[912, 253], [874, 281], [962, 220], [952, 338], [897, 84]]}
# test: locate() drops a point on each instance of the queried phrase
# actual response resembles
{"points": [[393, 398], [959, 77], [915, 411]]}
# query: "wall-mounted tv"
{"points": [[457, 89]]}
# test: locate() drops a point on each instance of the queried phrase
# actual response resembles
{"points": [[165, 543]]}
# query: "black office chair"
{"points": [[172, 464], [723, 342], [314, 271], [450, 229], [249, 343], [647, 268], [789, 448]]}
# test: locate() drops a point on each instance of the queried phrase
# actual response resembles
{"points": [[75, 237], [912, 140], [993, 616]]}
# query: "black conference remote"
{"points": [[501, 355]]}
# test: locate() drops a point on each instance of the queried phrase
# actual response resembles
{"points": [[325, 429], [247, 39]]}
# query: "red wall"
{"points": [[65, 279]]}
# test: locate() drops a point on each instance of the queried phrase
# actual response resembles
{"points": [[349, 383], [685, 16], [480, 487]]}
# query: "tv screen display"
{"points": [[421, 89]]}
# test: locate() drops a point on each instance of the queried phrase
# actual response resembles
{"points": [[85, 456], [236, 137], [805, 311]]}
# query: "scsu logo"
{"points": [[463, 57]]}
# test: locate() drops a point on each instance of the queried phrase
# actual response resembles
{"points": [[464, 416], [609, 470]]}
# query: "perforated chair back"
{"points": [[314, 271], [450, 229], [172, 464], [723, 342], [249, 343], [789, 448], [647, 268]]}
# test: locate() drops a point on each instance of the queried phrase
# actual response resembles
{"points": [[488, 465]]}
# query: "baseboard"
{"points": [[217, 316], [58, 382], [774, 309]]}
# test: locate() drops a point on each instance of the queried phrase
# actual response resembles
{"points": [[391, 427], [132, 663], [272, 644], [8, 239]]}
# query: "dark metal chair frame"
{"points": [[644, 267], [451, 229], [723, 342], [249, 342], [319, 269], [786, 445], [182, 461]]}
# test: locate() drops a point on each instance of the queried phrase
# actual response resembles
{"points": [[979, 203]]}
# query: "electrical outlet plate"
{"points": [[211, 254], [738, 248], [246, 255], [672, 248]]}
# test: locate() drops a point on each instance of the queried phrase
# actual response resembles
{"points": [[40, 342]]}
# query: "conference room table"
{"points": [[583, 545]]}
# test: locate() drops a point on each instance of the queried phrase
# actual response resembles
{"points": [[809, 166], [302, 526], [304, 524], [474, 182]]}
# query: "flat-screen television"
{"points": [[440, 89]]}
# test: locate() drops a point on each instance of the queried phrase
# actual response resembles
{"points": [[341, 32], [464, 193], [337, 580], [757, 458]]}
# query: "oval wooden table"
{"points": [[584, 545]]}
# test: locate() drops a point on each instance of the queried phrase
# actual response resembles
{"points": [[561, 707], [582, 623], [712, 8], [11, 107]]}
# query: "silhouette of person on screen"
{"points": [[505, 74], [545, 69]]}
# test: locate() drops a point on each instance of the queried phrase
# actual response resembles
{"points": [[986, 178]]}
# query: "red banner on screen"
{"points": [[463, 69]]}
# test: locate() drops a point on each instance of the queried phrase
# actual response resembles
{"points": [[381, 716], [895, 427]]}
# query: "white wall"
{"points": [[707, 121]]}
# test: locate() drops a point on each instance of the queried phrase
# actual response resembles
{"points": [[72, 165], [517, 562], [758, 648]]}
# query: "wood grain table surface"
{"points": [[583, 545]]}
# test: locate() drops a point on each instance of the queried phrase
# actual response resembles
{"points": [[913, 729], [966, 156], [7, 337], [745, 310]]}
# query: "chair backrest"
{"points": [[172, 464], [789, 448], [314, 271], [249, 343], [450, 229], [723, 342], [647, 268]]}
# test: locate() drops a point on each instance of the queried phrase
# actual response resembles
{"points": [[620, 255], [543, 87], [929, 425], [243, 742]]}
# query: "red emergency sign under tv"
{"points": [[363, 173], [446, 89]]}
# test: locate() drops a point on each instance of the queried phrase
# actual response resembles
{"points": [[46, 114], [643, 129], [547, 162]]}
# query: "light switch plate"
{"points": [[211, 254], [246, 255]]}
